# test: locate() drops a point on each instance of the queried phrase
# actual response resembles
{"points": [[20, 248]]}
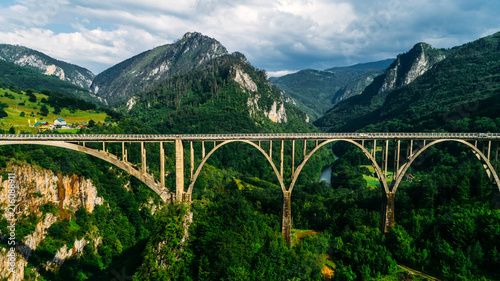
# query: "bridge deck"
{"points": [[222, 137]]}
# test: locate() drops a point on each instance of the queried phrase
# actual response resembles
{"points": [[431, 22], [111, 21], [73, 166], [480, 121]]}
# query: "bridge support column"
{"points": [[281, 163], [143, 158], [162, 165], [387, 216], [271, 149], [396, 159], [179, 170], [386, 157], [124, 152], [305, 149], [286, 224], [202, 150]]}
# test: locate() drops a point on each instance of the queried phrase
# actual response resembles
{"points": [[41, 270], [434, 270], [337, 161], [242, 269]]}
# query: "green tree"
{"points": [[32, 98], [44, 111], [12, 131]]}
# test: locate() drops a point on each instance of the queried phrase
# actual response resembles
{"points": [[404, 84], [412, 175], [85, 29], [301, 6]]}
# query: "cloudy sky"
{"points": [[279, 36]]}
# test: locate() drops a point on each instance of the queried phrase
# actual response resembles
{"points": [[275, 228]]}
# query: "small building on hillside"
{"points": [[42, 125], [60, 122], [83, 125]]}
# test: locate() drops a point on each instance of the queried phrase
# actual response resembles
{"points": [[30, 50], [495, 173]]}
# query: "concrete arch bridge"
{"points": [[485, 147]]}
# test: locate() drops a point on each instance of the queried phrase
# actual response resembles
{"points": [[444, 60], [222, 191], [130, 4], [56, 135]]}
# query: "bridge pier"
{"points": [[162, 165], [143, 158], [179, 170], [286, 224], [387, 215]]}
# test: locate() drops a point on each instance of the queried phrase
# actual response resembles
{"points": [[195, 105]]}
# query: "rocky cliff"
{"points": [[35, 187], [44, 64], [409, 66], [359, 110]]}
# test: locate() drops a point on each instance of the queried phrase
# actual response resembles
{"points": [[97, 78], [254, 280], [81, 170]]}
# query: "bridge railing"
{"points": [[259, 136]]}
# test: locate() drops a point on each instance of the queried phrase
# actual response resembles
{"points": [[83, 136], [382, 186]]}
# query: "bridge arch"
{"points": [[380, 175], [164, 193], [204, 160], [479, 154]]}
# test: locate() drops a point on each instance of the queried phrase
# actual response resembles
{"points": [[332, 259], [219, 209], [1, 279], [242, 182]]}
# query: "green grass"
{"points": [[297, 232], [373, 181], [29, 108]]}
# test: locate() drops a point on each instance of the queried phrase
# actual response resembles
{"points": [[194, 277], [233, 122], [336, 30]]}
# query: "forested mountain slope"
{"points": [[225, 94], [120, 82], [26, 78], [46, 65], [317, 91], [364, 109]]}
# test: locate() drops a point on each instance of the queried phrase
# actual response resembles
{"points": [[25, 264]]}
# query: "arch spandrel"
{"points": [[380, 175], [147, 179], [477, 152], [204, 160]]}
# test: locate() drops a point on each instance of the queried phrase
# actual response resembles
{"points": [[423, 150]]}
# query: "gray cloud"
{"points": [[276, 35]]}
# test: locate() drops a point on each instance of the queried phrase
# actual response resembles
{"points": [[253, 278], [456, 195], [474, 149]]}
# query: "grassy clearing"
{"points": [[373, 181], [19, 103]]}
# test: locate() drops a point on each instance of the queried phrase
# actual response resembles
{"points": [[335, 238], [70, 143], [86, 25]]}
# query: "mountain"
{"points": [[366, 108], [223, 95], [133, 75], [12, 75], [44, 64], [318, 91]]}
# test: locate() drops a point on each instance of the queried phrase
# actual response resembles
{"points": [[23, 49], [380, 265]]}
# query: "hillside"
{"points": [[46, 65], [318, 91], [366, 108], [225, 94], [133, 75], [22, 113], [26, 78]]}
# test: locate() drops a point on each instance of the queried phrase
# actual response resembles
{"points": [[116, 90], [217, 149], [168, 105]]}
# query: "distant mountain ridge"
{"points": [[317, 91], [135, 74], [44, 64], [423, 88]]}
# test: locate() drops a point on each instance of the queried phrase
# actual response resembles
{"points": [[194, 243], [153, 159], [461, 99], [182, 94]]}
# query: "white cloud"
{"points": [[281, 73], [273, 34]]}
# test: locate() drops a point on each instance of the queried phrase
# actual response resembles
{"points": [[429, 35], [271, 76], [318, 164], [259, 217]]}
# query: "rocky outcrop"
{"points": [[64, 253], [276, 115], [35, 187], [245, 81], [409, 66]]}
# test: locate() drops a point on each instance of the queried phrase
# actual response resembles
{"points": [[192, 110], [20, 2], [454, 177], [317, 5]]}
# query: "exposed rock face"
{"points": [[65, 253], [35, 187], [134, 75], [244, 80], [276, 115], [69, 192], [26, 57], [409, 66]]}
